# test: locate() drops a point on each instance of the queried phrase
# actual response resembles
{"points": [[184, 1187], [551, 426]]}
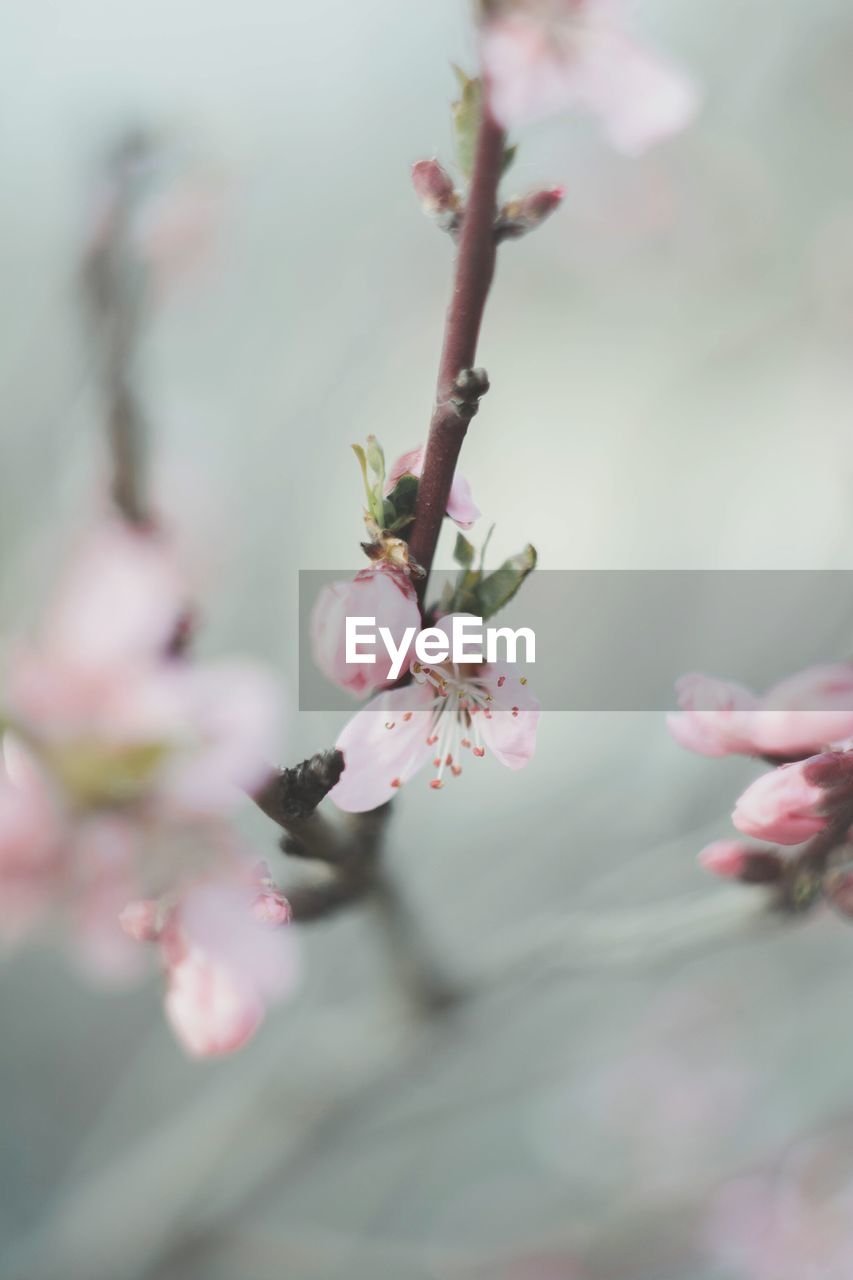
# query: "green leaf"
{"points": [[509, 157], [376, 459], [463, 552], [404, 495], [498, 588], [372, 492], [466, 120]]}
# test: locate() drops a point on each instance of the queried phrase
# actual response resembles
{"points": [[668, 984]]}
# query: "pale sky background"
{"points": [[672, 388]]}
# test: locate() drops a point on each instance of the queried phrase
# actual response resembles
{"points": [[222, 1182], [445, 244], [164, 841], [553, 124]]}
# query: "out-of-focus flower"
{"points": [[796, 801], [111, 716], [715, 717], [447, 711], [461, 507], [810, 709], [226, 953], [547, 56], [119, 753], [799, 715], [381, 592]]}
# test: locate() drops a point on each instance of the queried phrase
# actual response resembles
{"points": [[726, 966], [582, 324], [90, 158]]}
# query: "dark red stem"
{"points": [[475, 265]]}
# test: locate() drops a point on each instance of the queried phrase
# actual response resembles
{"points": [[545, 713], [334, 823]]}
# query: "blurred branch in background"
{"points": [[115, 284]]}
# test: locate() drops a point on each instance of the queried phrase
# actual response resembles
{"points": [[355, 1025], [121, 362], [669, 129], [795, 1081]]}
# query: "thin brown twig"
{"points": [[475, 265], [115, 293]]}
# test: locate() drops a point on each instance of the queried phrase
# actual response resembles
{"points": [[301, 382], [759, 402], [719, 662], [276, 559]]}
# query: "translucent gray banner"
{"points": [[614, 640]]}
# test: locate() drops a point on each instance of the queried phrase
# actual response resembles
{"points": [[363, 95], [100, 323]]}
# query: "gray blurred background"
{"points": [[672, 388]]}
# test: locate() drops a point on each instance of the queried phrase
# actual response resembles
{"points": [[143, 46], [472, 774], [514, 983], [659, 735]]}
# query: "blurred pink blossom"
{"points": [[801, 714], [121, 757], [715, 717], [546, 56], [461, 507], [111, 715], [225, 959], [447, 712], [381, 592]]}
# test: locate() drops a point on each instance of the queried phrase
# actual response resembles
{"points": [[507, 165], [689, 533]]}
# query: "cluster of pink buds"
{"points": [[802, 728]]}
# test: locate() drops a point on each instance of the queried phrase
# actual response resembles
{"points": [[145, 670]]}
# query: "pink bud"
{"points": [[434, 188], [724, 858], [139, 920], [526, 213], [785, 805], [734, 860]]}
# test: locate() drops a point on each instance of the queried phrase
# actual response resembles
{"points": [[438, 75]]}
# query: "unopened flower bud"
{"points": [[139, 920], [796, 801], [437, 194], [734, 860], [526, 213]]}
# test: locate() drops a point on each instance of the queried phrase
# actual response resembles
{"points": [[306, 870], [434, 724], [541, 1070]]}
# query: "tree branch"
{"points": [[115, 290], [475, 264]]}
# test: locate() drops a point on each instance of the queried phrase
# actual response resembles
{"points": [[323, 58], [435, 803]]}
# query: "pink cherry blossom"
{"points": [[381, 592], [785, 805], [799, 715], [546, 56], [448, 712], [124, 759], [715, 717], [810, 709], [226, 961], [461, 507]]}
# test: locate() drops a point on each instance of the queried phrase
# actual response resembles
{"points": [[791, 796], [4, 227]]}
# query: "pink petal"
{"points": [[509, 731], [382, 593], [716, 717], [103, 851], [639, 96], [217, 917], [377, 757], [809, 710], [461, 507], [550, 59], [120, 601], [231, 722], [211, 1012], [408, 464], [782, 805], [223, 964]]}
